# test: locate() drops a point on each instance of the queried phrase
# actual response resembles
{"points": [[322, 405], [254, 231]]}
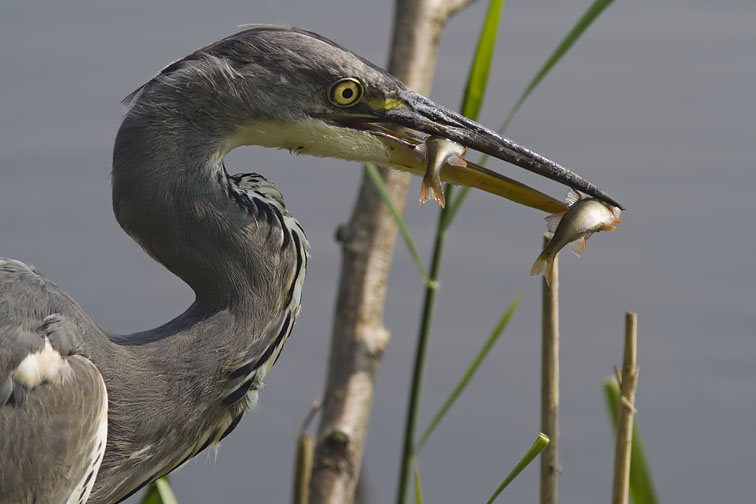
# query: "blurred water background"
{"points": [[655, 104]]}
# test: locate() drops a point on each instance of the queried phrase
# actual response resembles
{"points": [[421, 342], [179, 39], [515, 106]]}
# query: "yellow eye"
{"points": [[345, 92]]}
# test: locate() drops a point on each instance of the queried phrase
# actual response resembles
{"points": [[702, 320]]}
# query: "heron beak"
{"points": [[402, 124]]}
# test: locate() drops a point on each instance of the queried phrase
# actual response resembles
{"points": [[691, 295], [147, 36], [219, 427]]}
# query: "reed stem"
{"points": [[550, 383], [626, 412]]}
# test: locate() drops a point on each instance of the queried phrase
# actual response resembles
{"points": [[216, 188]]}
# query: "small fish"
{"points": [[584, 217], [438, 151]]}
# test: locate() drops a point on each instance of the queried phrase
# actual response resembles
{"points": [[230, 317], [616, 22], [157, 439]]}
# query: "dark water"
{"points": [[654, 104]]}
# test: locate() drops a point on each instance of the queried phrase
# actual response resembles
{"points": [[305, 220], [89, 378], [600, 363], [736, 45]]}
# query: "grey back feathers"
{"points": [[53, 401]]}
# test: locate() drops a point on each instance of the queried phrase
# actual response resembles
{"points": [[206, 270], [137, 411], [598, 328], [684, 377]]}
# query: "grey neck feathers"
{"points": [[231, 240], [172, 194]]}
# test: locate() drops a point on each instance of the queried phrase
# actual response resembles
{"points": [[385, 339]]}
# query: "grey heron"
{"points": [[89, 416]]}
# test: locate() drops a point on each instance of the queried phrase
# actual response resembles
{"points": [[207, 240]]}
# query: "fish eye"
{"points": [[345, 92]]}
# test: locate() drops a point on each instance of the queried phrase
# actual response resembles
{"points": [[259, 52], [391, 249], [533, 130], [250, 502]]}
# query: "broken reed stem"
{"points": [[550, 384], [626, 413], [303, 460], [303, 468]]}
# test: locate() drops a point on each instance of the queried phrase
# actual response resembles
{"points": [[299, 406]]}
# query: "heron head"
{"points": [[292, 89]]}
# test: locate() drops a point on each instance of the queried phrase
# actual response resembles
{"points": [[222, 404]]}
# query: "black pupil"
{"points": [[347, 93]]}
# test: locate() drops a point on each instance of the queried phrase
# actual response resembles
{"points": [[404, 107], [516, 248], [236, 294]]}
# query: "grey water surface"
{"points": [[654, 104]]}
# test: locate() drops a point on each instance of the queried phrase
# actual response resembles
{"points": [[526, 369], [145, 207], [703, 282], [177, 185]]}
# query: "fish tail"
{"points": [[431, 189], [438, 192], [544, 265], [425, 193]]}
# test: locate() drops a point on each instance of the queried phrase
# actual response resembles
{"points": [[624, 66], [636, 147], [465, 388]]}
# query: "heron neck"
{"points": [[175, 383], [171, 194]]}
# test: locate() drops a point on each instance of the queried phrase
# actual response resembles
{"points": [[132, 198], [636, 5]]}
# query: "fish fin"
{"points": [[432, 190], [578, 246], [611, 226], [573, 196], [421, 152], [552, 221], [456, 160], [544, 265]]}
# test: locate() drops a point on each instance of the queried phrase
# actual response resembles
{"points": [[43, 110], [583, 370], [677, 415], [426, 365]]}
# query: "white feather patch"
{"points": [[47, 365], [313, 137]]}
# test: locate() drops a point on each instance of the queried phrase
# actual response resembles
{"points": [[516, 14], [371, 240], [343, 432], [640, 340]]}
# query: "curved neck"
{"points": [[186, 383], [235, 245], [172, 195], [245, 261]]}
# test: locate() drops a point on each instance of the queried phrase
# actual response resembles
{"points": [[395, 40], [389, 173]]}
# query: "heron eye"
{"points": [[345, 92]]}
